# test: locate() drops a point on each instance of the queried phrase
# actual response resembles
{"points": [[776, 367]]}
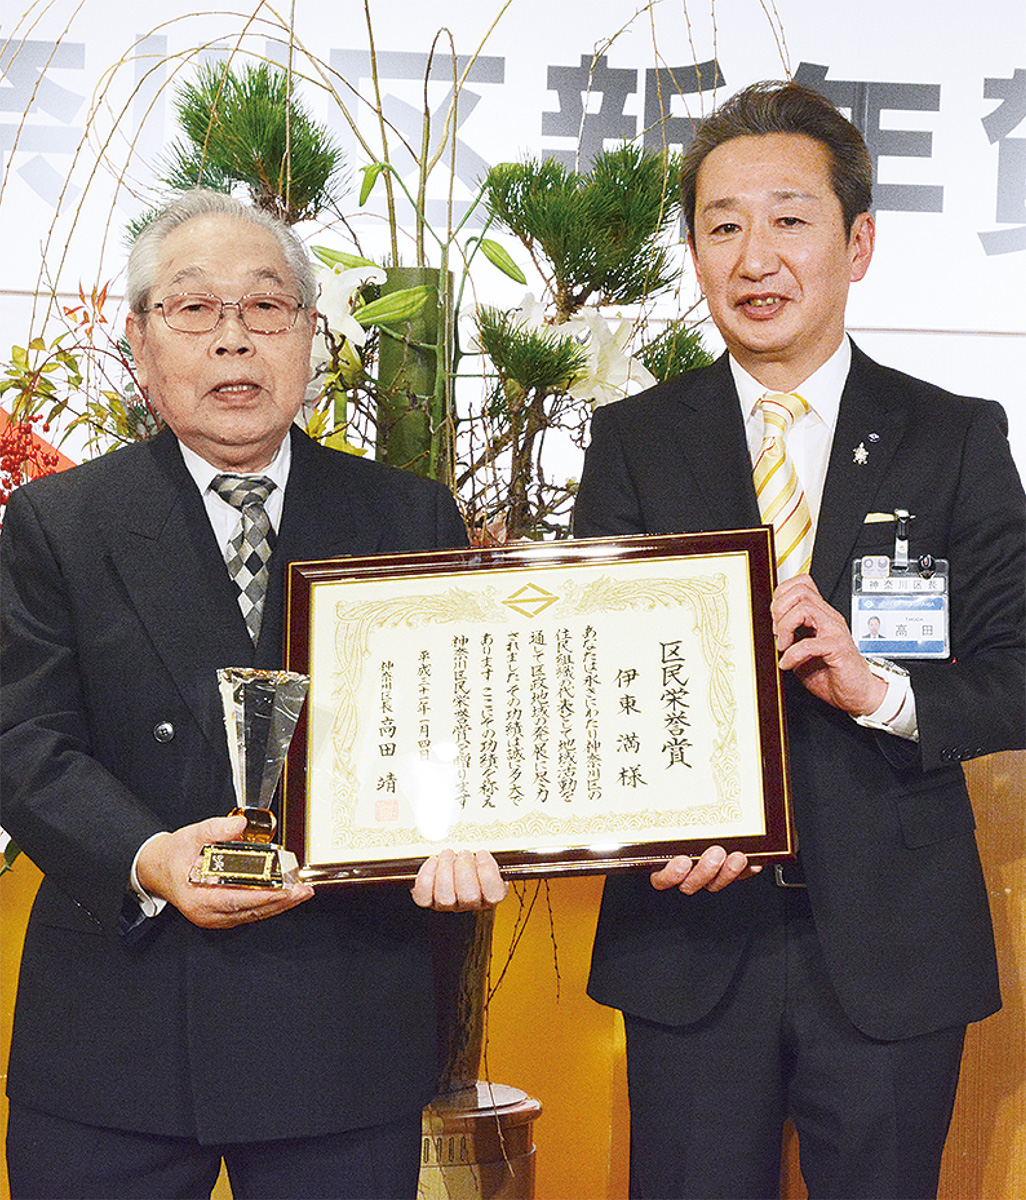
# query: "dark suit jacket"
{"points": [[117, 612], [885, 827]]}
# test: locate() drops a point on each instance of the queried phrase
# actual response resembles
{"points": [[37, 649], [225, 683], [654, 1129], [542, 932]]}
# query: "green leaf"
{"points": [[396, 306], [677, 348], [370, 177], [339, 258], [499, 257], [605, 234], [544, 362], [10, 853], [246, 126]]}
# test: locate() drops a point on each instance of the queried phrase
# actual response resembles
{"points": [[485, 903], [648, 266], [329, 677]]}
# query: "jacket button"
{"points": [[164, 732]]}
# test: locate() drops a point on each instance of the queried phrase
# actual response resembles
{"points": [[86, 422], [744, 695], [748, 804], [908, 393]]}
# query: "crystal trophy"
{"points": [[261, 709]]}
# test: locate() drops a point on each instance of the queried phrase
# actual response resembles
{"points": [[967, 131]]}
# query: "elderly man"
{"points": [[160, 1025], [834, 991]]}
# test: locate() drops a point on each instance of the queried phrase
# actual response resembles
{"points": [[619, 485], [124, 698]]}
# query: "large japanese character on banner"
{"points": [[1011, 169]]}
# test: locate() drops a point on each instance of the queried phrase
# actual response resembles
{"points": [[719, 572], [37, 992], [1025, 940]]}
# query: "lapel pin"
{"points": [[874, 437], [860, 454]]}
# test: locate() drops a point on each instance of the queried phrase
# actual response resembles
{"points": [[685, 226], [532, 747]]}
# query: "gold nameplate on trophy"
{"points": [[261, 709], [234, 864]]}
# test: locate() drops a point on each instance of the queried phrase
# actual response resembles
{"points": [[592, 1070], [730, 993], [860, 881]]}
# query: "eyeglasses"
{"points": [[200, 312]]}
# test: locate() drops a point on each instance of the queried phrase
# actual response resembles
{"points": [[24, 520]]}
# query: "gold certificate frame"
{"points": [[580, 706]]}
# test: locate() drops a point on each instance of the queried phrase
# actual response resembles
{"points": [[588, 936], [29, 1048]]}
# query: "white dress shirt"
{"points": [[224, 518]]}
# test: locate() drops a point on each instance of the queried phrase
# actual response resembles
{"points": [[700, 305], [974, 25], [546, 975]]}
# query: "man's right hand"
{"points": [[163, 870]]}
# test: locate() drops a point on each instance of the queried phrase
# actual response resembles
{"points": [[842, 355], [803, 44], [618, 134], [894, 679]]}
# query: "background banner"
{"points": [[939, 89]]}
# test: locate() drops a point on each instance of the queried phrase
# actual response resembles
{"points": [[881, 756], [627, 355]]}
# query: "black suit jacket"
{"points": [[117, 610], [885, 827]]}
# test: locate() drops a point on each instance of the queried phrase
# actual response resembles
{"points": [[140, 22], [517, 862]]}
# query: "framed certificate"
{"points": [[574, 706]]}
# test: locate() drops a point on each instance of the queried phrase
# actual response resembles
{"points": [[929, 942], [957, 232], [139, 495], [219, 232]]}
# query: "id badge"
{"points": [[899, 606]]}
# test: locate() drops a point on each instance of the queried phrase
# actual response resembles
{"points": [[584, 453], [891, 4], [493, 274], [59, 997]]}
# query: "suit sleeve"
{"points": [[69, 814], [975, 704], [607, 503], [450, 528]]}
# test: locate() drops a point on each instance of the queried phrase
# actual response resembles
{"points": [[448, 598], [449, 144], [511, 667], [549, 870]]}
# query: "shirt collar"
{"points": [[821, 391], [203, 473]]}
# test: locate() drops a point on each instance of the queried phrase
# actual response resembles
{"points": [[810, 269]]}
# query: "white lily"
{"points": [[611, 372], [338, 287], [531, 315]]}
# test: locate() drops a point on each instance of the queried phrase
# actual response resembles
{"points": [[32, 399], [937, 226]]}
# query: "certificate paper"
{"points": [[570, 707]]}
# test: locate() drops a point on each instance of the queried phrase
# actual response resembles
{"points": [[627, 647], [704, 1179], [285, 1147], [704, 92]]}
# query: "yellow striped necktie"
{"points": [[782, 502]]}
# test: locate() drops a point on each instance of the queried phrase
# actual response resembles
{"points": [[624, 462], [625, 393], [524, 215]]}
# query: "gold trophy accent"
{"points": [[261, 709]]}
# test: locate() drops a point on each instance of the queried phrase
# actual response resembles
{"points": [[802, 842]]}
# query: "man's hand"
{"points": [[814, 641], [464, 882], [713, 871], [163, 870]]}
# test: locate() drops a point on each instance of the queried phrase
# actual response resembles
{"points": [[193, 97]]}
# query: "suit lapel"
{"points": [[712, 436], [314, 525], [870, 425], [167, 556], [714, 446]]}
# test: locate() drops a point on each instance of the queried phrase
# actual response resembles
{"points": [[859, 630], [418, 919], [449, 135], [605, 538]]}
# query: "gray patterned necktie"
{"points": [[249, 550]]}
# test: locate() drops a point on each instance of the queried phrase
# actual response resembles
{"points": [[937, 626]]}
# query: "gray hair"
{"points": [[201, 202]]}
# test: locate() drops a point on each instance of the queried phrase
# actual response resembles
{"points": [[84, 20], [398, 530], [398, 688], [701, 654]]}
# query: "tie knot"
{"points": [[782, 409], [240, 491]]}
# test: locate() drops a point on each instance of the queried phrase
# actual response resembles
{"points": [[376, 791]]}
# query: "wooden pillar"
{"points": [[985, 1157]]}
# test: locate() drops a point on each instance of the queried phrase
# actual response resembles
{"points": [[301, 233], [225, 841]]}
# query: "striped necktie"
{"points": [[782, 502], [249, 550]]}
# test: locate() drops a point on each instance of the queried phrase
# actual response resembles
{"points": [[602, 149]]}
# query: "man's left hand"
{"points": [[464, 882], [814, 641], [712, 872]]}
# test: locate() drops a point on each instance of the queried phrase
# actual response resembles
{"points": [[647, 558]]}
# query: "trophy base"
{"points": [[245, 864]]}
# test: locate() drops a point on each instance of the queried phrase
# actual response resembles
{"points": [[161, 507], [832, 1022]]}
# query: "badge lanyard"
{"points": [[899, 604]]}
